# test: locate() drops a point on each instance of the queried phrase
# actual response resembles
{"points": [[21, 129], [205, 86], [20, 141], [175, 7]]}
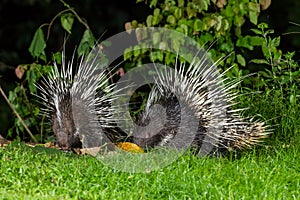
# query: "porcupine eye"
{"points": [[65, 133], [63, 124]]}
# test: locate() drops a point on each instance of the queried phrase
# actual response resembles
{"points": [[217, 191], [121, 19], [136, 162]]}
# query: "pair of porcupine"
{"points": [[189, 106]]}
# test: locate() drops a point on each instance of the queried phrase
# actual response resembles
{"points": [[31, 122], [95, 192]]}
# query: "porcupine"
{"points": [[201, 92], [79, 107], [75, 111]]}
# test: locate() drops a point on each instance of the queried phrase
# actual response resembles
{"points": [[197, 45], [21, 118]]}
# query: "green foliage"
{"points": [[281, 71], [208, 21], [205, 21], [67, 21], [22, 96], [86, 43], [38, 45], [22, 100]]}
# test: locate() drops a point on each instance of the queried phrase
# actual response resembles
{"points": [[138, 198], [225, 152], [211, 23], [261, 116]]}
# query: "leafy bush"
{"points": [[232, 22], [205, 21]]}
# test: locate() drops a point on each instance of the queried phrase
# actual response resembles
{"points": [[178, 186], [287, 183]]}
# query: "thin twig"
{"points": [[18, 116], [294, 23], [76, 15], [52, 21], [60, 13], [292, 32]]}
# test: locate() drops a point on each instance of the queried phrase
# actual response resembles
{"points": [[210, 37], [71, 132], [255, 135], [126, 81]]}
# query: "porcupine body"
{"points": [[199, 92], [79, 107]]}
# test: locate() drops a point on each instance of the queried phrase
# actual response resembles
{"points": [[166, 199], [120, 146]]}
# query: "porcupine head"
{"points": [[150, 127], [62, 122]]}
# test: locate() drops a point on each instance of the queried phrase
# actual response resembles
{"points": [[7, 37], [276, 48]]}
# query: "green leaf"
{"points": [[241, 60], [191, 12], [197, 25], [87, 42], [180, 3], [156, 38], [259, 61], [57, 57], [156, 19], [134, 24], [31, 78], [183, 29], [270, 31], [263, 25], [229, 12], [266, 74], [265, 51], [149, 20], [156, 12], [38, 45], [256, 41], [253, 17], [171, 19], [153, 3], [254, 11], [244, 42], [292, 99], [257, 31], [239, 20], [225, 24], [155, 55], [218, 24], [178, 13], [67, 21], [127, 53], [203, 5], [136, 51], [276, 41]]}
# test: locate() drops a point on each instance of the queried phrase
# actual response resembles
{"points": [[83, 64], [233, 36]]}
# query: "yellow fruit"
{"points": [[131, 147]]}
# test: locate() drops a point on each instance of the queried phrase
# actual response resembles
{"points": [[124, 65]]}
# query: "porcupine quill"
{"points": [[200, 92], [79, 107]]}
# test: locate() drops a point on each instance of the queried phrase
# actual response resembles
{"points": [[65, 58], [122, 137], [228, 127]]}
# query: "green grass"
{"points": [[265, 172], [259, 174]]}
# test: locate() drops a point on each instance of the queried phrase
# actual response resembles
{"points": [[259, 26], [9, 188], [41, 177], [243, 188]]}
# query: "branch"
{"points": [[18, 116]]}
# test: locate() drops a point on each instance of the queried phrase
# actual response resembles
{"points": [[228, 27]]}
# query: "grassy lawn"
{"points": [[267, 172], [263, 174]]}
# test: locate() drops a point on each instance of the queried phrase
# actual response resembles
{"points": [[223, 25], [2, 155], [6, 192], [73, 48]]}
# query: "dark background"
{"points": [[19, 19]]}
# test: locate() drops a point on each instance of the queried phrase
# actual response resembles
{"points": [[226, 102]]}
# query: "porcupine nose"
{"points": [[62, 140]]}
